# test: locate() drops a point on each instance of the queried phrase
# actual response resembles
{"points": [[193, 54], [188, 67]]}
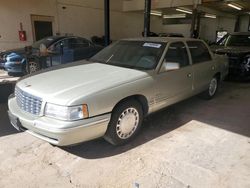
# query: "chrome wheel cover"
{"points": [[33, 66], [127, 123], [213, 86]]}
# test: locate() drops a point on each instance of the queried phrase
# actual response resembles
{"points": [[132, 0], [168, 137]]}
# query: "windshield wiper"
{"points": [[97, 61]]}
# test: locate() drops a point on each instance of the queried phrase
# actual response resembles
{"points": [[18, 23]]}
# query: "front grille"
{"points": [[27, 102]]}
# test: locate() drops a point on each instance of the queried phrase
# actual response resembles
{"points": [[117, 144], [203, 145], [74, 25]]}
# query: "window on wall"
{"points": [[199, 52], [177, 53]]}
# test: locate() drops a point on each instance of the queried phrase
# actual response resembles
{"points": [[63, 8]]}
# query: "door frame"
{"points": [[35, 17]]}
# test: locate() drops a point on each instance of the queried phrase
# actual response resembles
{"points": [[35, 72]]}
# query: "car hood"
{"points": [[231, 50], [62, 86], [17, 52]]}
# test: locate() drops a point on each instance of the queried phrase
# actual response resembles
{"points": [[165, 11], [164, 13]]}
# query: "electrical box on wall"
{"points": [[22, 36]]}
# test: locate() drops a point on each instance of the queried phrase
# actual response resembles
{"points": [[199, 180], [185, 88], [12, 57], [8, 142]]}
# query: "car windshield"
{"points": [[46, 41], [131, 54], [238, 40]]}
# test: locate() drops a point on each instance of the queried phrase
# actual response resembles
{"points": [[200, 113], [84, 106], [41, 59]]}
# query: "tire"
{"points": [[212, 89], [33, 66], [125, 123], [10, 74]]}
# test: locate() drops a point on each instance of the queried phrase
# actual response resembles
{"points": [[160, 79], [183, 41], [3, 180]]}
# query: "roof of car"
{"points": [[161, 39], [58, 37], [241, 33]]}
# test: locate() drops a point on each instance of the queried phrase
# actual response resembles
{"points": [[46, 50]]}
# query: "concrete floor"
{"points": [[195, 143]]}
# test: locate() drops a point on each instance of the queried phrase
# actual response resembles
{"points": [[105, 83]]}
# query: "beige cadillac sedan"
{"points": [[109, 95]]}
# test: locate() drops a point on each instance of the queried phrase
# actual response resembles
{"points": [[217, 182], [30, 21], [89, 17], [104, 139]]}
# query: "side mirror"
{"points": [[169, 66]]}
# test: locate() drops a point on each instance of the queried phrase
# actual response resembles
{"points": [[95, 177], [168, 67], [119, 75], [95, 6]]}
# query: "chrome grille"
{"points": [[28, 102]]}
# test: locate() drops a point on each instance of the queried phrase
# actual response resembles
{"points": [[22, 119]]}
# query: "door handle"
{"points": [[189, 75]]}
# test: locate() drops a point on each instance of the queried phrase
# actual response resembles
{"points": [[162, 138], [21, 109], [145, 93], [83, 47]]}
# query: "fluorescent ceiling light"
{"points": [[210, 16], [156, 13], [174, 16], [184, 10], [234, 6]]}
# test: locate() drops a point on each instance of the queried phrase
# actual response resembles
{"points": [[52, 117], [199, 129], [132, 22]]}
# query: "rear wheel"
{"points": [[126, 120], [212, 89]]}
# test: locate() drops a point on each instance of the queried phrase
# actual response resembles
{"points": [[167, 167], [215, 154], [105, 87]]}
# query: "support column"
{"points": [[195, 25], [107, 22], [147, 11], [248, 28], [237, 24]]}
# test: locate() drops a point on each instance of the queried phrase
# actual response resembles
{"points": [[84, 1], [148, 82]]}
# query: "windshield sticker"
{"points": [[152, 45]]}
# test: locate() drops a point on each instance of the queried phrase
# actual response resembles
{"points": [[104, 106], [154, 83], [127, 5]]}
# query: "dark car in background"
{"points": [[171, 35], [236, 47], [62, 49], [153, 34], [2, 62]]}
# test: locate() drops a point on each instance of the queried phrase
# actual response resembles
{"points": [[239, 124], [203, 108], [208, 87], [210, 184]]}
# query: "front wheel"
{"points": [[212, 89], [126, 120], [34, 66]]}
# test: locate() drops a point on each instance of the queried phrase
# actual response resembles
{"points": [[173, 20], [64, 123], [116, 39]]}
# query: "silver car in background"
{"points": [[109, 95]]}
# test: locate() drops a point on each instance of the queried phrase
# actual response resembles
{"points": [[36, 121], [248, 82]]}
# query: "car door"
{"points": [[174, 85], [203, 65], [63, 52]]}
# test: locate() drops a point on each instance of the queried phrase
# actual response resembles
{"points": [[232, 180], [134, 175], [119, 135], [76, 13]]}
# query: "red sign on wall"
{"points": [[22, 36]]}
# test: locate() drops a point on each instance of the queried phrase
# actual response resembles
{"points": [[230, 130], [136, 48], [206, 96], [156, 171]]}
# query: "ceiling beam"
{"points": [[135, 5]]}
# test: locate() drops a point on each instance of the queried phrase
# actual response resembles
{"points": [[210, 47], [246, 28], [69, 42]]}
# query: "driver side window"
{"points": [[177, 53], [58, 46]]}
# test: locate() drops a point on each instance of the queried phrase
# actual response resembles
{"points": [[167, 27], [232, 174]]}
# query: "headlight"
{"points": [[67, 113]]}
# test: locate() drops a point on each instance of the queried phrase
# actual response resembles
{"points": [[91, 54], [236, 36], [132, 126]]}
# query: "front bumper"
{"points": [[56, 132], [237, 68]]}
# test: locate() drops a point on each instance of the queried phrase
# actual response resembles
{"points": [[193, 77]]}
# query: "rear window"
{"points": [[199, 52], [238, 40]]}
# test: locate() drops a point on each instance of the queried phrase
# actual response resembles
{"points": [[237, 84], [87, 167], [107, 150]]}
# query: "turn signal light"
{"points": [[85, 111]]}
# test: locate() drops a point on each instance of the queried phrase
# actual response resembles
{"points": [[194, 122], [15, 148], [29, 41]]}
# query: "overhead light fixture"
{"points": [[184, 10], [234, 6], [156, 13], [174, 16], [210, 16]]}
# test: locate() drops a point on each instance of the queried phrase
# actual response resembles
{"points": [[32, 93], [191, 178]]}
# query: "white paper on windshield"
{"points": [[152, 45]]}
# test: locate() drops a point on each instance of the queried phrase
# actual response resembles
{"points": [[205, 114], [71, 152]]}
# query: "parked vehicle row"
{"points": [[62, 49], [109, 95], [236, 47]]}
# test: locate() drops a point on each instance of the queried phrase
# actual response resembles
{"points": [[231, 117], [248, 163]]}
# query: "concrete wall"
{"points": [[78, 17], [88, 21], [177, 28], [85, 18], [13, 12], [244, 23], [210, 26]]}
